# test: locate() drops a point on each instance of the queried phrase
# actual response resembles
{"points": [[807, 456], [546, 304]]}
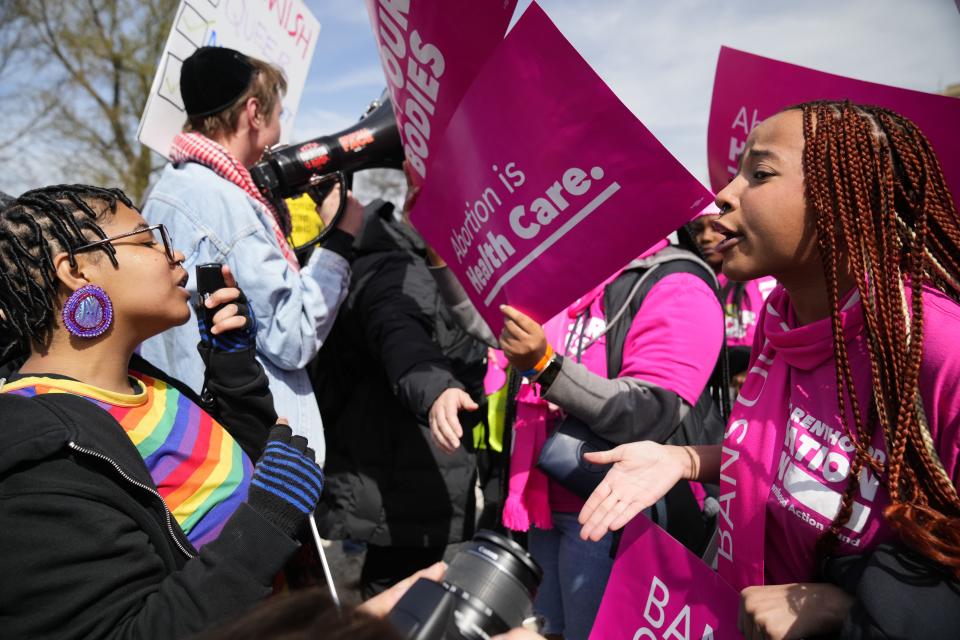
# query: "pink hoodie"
{"points": [[813, 457]]}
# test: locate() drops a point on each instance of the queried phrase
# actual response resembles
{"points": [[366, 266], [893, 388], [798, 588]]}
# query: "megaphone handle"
{"points": [[318, 196]]}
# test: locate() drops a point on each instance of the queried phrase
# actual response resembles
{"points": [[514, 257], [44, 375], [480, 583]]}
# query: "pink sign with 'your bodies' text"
{"points": [[430, 52], [544, 183], [749, 88], [659, 590]]}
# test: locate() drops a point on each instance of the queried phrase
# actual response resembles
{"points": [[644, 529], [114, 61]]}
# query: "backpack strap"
{"points": [[624, 296]]}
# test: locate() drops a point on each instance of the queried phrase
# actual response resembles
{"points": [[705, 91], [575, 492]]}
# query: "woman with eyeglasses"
{"points": [[129, 506]]}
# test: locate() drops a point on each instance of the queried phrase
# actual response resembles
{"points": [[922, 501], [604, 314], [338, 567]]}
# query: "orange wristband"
{"points": [[541, 364]]}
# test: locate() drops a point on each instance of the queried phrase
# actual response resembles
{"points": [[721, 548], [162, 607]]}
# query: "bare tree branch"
{"points": [[101, 56]]}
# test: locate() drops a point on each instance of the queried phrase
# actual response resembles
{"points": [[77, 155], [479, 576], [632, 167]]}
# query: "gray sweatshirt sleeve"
{"points": [[620, 410], [463, 310]]}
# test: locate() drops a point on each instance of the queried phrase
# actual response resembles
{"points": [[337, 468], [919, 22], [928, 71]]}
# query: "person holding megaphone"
{"points": [[210, 204]]}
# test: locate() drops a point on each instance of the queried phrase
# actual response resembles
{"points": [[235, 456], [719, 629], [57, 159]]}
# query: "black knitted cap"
{"points": [[212, 79]]}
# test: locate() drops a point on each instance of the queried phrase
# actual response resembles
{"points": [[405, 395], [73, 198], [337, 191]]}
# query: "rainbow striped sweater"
{"points": [[199, 469]]}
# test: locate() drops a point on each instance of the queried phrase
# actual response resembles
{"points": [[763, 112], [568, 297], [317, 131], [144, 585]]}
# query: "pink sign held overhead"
{"points": [[749, 88], [430, 52], [659, 590], [544, 183]]}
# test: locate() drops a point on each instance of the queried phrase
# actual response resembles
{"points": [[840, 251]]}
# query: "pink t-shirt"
{"points": [[814, 457], [673, 342], [741, 326]]}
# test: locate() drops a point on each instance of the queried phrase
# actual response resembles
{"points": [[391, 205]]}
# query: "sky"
{"points": [[659, 57]]}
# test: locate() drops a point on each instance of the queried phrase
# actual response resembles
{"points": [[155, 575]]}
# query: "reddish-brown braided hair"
{"points": [[884, 213]]}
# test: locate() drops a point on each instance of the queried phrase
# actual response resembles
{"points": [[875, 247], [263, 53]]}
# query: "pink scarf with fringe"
{"points": [[757, 426], [528, 497]]}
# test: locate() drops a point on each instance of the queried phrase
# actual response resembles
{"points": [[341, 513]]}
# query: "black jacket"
{"points": [[88, 548], [898, 594], [392, 351]]}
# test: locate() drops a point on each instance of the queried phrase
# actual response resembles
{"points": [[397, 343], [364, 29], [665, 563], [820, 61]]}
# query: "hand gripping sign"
{"points": [[659, 590], [544, 183], [430, 52], [749, 88]]}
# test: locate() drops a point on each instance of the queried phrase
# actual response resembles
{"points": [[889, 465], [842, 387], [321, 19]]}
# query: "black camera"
{"points": [[488, 589]]}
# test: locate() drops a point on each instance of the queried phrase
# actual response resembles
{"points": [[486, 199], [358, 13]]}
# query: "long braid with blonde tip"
{"points": [[884, 213]]}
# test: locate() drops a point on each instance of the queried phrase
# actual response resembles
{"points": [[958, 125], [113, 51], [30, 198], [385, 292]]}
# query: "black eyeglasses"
{"points": [[154, 231]]}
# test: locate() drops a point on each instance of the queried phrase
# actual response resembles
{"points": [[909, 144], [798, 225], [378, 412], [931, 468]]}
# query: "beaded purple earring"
{"points": [[88, 312]]}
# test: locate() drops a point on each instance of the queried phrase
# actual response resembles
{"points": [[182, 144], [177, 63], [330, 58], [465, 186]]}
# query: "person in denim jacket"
{"points": [[208, 202]]}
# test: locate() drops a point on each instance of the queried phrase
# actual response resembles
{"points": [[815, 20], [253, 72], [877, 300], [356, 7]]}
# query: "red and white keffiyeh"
{"points": [[194, 147]]}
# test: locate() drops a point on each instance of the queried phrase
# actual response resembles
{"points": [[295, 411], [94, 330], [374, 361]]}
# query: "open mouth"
{"points": [[730, 237]]}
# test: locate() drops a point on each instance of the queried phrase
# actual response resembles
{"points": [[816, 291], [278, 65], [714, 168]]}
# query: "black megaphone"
{"points": [[317, 165]]}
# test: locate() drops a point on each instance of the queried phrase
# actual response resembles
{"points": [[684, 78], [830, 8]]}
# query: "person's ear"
{"points": [[72, 274], [255, 115]]}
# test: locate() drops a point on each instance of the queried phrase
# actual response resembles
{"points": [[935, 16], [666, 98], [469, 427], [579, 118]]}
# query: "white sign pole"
{"points": [[282, 32]]}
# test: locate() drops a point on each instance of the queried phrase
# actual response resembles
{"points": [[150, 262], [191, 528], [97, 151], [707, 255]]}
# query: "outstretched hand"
{"points": [[642, 473], [443, 419], [522, 339]]}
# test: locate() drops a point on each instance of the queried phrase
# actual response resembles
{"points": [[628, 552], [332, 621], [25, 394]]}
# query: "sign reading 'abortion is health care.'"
{"points": [[659, 590], [430, 52], [282, 32], [749, 88], [544, 183]]}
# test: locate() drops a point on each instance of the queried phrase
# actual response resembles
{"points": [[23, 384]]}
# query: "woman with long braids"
{"points": [[839, 506], [127, 510]]}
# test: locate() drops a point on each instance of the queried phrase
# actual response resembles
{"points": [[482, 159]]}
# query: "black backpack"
{"points": [[678, 512]]}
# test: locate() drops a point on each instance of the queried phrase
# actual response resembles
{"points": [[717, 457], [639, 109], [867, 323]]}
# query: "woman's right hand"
{"points": [[233, 327], [642, 473]]}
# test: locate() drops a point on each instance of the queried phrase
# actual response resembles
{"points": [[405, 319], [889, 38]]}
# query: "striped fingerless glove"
{"points": [[286, 483], [229, 341]]}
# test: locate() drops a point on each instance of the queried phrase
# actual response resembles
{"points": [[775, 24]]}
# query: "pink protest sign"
{"points": [[749, 88], [659, 590], [430, 52], [544, 183]]}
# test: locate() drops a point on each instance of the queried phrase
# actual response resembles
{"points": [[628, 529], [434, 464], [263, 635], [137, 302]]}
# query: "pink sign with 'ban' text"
{"points": [[659, 590], [749, 88], [430, 52], [544, 183]]}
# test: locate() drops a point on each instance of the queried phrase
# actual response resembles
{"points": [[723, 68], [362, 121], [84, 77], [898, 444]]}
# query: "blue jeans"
{"points": [[575, 574]]}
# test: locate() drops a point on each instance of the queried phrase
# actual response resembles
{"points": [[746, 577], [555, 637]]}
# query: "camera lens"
{"points": [[497, 578]]}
